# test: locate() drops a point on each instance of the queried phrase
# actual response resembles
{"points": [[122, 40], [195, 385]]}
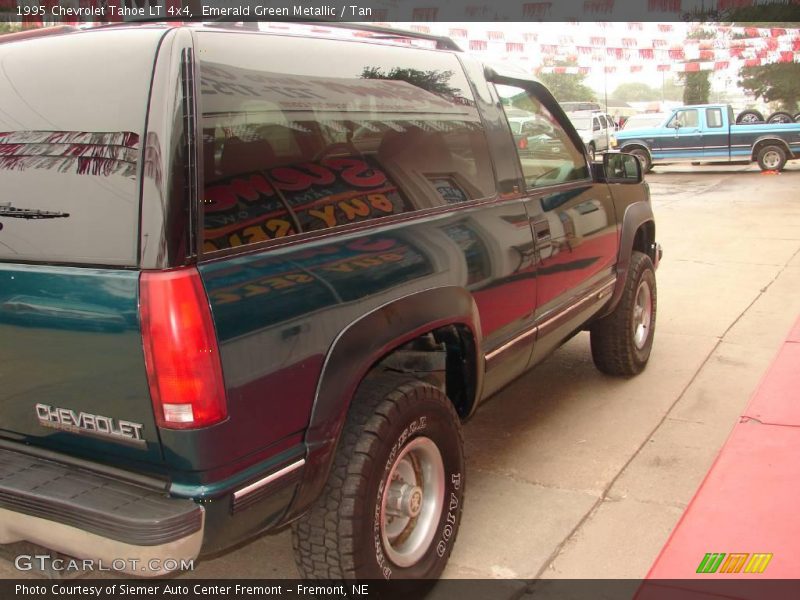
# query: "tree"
{"points": [[776, 82], [672, 89], [696, 87], [635, 92], [779, 82], [8, 28], [567, 87], [436, 82], [697, 84]]}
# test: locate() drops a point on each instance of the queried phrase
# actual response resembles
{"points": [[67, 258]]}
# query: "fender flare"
{"points": [[623, 146], [771, 139], [636, 215], [354, 351]]}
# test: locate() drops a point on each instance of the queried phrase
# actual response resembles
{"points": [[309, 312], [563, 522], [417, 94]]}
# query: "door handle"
{"points": [[541, 229]]}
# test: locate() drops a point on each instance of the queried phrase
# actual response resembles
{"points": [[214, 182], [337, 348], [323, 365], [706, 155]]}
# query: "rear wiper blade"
{"points": [[6, 210]]}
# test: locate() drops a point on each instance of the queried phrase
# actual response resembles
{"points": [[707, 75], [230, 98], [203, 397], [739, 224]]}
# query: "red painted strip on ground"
{"points": [[748, 501], [777, 399], [794, 334]]}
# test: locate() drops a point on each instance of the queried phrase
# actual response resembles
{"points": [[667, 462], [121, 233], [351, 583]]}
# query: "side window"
{"points": [[684, 118], [547, 155], [603, 123], [346, 135], [596, 124], [714, 117]]}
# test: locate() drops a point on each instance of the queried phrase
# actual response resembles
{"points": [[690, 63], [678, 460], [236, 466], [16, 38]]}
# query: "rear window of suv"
{"points": [[72, 114], [303, 135]]}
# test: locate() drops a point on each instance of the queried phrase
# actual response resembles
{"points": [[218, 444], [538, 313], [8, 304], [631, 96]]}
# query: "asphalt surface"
{"points": [[573, 474]]}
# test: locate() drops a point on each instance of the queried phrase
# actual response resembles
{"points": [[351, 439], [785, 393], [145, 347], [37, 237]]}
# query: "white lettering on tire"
{"points": [[415, 426]]}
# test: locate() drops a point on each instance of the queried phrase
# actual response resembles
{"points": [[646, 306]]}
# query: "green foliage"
{"points": [[433, 81], [778, 13], [766, 14], [696, 87], [635, 92], [9, 27], [568, 87], [779, 82], [700, 34], [641, 92], [672, 89], [697, 84]]}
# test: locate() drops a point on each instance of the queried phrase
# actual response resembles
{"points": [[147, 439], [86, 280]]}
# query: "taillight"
{"points": [[180, 350], [522, 144]]}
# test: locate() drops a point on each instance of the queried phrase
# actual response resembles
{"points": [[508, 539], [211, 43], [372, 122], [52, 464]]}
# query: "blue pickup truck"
{"points": [[708, 133]]}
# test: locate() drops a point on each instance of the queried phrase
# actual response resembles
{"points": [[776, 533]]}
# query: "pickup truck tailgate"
{"points": [[72, 371]]}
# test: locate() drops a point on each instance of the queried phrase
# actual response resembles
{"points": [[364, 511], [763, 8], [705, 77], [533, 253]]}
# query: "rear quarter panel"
{"points": [[279, 312]]}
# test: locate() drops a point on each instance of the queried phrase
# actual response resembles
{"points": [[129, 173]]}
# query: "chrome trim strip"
{"points": [[512, 342], [599, 292], [256, 485]]}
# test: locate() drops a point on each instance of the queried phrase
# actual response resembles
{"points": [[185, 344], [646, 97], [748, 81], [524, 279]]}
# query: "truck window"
{"points": [[684, 118], [714, 117], [71, 142], [547, 155], [346, 135]]}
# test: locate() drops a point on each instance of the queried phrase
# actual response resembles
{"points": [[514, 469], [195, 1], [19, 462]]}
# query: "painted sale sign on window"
{"points": [[308, 196]]}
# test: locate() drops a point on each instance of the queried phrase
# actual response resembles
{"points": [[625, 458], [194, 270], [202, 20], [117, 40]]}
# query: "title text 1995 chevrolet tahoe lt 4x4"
{"points": [[250, 279]]}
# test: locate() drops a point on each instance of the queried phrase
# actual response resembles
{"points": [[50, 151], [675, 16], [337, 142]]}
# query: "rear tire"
{"points": [[392, 504], [771, 158], [749, 117], [621, 341], [797, 118], [780, 117]]}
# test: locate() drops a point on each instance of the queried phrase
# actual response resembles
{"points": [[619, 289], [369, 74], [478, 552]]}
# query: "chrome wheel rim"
{"points": [[412, 502], [771, 159], [750, 119], [642, 314]]}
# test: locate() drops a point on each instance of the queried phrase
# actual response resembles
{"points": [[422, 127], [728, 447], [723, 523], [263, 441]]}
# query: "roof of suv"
{"points": [[358, 31]]}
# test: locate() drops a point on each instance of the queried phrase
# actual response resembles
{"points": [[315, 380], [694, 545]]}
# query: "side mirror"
{"points": [[622, 168], [676, 124]]}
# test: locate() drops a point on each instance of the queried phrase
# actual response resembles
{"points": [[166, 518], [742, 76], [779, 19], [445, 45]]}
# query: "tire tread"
{"points": [[613, 351], [323, 539]]}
